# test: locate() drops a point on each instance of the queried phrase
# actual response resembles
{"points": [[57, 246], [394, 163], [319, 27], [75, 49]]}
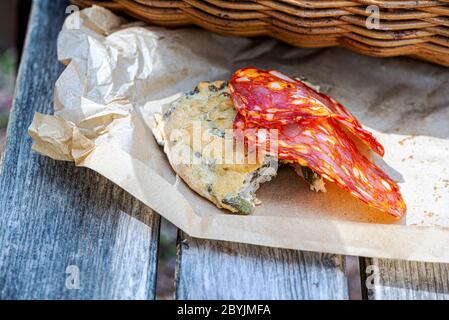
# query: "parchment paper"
{"points": [[119, 74]]}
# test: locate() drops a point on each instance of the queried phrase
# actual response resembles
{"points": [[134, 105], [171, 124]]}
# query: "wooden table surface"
{"points": [[68, 233]]}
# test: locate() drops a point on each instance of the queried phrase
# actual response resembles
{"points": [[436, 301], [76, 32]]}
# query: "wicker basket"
{"points": [[418, 28]]}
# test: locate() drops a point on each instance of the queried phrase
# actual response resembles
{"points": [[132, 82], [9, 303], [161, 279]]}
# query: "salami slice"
{"points": [[270, 97], [323, 146]]}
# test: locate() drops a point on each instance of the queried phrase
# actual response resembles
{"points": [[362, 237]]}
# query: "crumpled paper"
{"points": [[119, 74]]}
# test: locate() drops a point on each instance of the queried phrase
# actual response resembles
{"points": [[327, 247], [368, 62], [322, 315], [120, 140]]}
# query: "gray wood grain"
{"points": [[403, 280], [224, 270], [53, 215]]}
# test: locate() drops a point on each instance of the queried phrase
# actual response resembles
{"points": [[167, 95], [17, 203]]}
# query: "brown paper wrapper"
{"points": [[118, 75]]}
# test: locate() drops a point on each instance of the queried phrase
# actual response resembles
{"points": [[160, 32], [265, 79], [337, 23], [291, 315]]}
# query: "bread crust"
{"points": [[206, 168]]}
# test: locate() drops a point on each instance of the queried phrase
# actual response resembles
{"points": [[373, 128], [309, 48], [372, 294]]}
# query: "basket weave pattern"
{"points": [[418, 28]]}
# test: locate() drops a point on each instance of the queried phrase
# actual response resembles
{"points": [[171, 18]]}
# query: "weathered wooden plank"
{"points": [[223, 270], [55, 219], [384, 279]]}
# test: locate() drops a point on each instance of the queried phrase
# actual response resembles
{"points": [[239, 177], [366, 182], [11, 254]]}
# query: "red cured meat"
{"points": [[309, 131]]}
